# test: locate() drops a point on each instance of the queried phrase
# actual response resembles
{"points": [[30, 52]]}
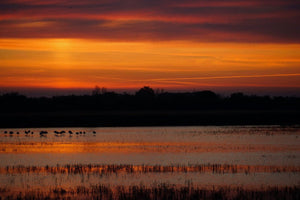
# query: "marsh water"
{"points": [[65, 159]]}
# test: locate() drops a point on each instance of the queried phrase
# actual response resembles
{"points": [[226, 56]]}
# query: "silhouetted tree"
{"points": [[99, 91], [96, 91], [237, 96], [159, 91], [206, 94], [146, 91]]}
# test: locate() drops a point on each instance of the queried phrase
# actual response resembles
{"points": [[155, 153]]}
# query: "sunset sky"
{"points": [[170, 44]]}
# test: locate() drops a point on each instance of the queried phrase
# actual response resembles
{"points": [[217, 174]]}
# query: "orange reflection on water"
{"points": [[176, 147]]}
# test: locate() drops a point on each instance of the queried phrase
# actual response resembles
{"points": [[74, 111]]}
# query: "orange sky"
{"points": [[165, 44]]}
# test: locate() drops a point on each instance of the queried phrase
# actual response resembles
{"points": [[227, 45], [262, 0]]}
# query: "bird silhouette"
{"points": [[43, 133]]}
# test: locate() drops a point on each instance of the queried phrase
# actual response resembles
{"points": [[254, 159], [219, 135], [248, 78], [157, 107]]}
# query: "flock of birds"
{"points": [[44, 133]]}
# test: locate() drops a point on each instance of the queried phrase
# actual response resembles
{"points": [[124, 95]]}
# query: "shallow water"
{"points": [[245, 156]]}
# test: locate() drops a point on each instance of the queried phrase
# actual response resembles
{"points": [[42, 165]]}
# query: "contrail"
{"points": [[225, 77]]}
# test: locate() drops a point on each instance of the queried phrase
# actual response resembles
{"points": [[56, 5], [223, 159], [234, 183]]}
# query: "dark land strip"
{"points": [[147, 108], [148, 118]]}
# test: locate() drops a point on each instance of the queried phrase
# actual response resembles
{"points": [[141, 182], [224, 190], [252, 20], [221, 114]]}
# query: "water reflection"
{"points": [[114, 162]]}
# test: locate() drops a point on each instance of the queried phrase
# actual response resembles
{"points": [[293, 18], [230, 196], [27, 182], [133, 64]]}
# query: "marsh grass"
{"points": [[106, 169], [163, 191]]}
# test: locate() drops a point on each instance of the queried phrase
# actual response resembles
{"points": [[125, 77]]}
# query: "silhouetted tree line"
{"points": [[146, 99]]}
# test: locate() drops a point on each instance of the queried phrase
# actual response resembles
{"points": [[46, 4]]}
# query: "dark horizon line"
{"points": [[220, 90]]}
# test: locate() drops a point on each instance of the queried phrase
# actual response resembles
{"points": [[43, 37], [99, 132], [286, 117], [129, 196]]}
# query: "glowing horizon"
{"points": [[163, 44]]}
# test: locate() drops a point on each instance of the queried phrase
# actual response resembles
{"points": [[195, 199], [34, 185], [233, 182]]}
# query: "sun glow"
{"points": [[78, 63]]}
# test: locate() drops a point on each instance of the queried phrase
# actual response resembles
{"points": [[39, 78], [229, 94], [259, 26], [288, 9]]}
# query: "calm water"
{"points": [[235, 156]]}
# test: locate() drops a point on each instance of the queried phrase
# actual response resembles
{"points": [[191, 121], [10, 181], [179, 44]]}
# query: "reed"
{"points": [[163, 191], [122, 168]]}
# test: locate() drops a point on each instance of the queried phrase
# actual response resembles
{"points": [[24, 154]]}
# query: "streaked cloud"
{"points": [[155, 20]]}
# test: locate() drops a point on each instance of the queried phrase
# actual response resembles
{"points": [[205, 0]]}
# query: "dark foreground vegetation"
{"points": [[117, 168], [146, 108], [159, 192]]}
